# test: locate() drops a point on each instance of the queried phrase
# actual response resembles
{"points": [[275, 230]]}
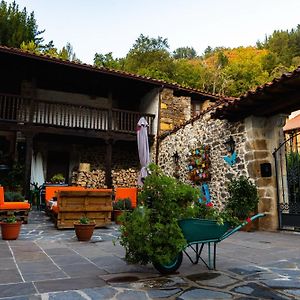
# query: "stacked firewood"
{"points": [[125, 177], [89, 179]]}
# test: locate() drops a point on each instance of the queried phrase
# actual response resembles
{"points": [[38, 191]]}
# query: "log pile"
{"points": [[94, 179], [125, 177]]}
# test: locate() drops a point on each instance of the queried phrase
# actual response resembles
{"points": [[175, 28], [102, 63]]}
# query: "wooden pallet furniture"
{"points": [[20, 209], [72, 205]]}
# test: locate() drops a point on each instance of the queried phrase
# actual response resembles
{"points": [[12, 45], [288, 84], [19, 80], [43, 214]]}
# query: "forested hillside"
{"points": [[224, 71]]}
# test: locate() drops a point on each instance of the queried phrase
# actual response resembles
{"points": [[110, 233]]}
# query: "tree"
{"points": [[150, 57], [17, 26], [185, 52], [108, 61]]}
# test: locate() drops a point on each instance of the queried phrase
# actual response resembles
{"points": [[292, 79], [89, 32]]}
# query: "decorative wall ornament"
{"points": [[199, 164], [230, 158]]}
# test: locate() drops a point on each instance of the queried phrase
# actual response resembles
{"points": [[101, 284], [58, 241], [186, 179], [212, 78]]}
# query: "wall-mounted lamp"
{"points": [[230, 145], [176, 157]]}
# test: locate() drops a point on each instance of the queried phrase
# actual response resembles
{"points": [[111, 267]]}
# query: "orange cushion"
{"points": [[1, 195], [50, 191], [15, 205], [130, 193]]}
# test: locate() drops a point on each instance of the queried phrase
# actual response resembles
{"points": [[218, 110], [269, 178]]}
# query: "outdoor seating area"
{"points": [[21, 209], [67, 204]]}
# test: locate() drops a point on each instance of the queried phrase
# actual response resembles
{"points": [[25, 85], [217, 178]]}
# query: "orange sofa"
{"points": [[20, 208], [131, 193]]}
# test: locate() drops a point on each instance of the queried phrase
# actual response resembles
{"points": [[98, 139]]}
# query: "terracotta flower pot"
{"points": [[84, 232], [10, 231], [117, 214]]}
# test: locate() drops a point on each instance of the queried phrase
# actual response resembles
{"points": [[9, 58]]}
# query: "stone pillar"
{"points": [[263, 135]]}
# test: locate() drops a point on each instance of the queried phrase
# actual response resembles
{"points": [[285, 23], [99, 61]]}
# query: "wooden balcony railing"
{"points": [[40, 112]]}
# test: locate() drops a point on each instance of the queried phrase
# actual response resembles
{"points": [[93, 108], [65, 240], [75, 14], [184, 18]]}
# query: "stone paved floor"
{"points": [[45, 263]]}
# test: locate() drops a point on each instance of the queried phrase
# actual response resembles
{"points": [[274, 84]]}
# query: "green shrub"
{"points": [[122, 204], [10, 196], [243, 197]]}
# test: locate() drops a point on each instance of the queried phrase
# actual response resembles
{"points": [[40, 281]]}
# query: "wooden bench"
{"points": [[20, 209], [96, 204]]}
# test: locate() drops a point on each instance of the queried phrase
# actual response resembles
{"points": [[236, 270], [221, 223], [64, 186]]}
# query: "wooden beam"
{"points": [[108, 163], [28, 158]]}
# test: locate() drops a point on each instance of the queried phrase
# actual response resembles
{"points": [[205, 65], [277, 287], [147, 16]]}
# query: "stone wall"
{"points": [[208, 132], [255, 139], [173, 110]]}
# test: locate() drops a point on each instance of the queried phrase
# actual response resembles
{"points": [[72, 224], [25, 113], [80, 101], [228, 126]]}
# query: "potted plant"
{"points": [[243, 198], [84, 228], [10, 228], [58, 178], [119, 206]]}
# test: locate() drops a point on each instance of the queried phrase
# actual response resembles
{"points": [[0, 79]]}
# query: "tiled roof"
{"points": [[107, 71], [279, 96], [292, 124]]}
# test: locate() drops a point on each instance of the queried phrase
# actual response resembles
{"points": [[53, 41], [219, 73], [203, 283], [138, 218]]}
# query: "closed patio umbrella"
{"points": [[143, 148]]}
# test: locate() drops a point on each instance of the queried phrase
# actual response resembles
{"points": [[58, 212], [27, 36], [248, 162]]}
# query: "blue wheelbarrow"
{"points": [[198, 233]]}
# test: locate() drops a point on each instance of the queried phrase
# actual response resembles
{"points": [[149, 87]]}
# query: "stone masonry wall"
{"points": [[173, 110], [255, 138], [210, 132]]}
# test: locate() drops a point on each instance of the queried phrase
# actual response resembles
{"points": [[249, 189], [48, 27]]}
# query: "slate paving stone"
{"points": [[283, 283], [261, 292], [131, 295], [103, 293], [293, 292], [77, 270], [288, 273], [37, 267], [161, 293], [31, 297], [59, 251], [19, 289], [63, 260], [4, 252], [246, 270], [31, 256], [44, 276], [213, 279], [195, 294], [70, 295], [263, 276], [10, 276], [7, 263], [285, 264], [69, 284]]}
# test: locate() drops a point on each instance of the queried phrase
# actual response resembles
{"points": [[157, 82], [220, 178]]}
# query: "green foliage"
{"points": [[151, 232], [15, 178], [17, 26], [84, 220], [10, 219], [185, 53], [243, 197], [108, 61], [122, 204], [57, 178], [11, 196]]}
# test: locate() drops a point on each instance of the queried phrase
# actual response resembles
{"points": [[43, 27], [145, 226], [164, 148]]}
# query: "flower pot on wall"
{"points": [[84, 232], [10, 231]]}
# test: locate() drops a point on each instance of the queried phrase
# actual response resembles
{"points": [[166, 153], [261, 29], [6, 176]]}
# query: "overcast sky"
{"points": [[113, 25]]}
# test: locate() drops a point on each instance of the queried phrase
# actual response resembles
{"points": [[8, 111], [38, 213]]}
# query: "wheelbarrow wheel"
{"points": [[170, 267]]}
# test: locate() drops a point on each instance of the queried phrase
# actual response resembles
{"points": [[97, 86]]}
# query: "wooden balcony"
{"points": [[22, 110]]}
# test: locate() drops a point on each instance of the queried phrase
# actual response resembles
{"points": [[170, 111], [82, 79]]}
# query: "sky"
{"points": [[102, 26]]}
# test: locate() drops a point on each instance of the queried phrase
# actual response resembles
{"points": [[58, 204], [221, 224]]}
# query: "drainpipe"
{"points": [[158, 125]]}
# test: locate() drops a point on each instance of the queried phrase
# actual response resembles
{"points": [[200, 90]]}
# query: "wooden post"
{"points": [[28, 158], [108, 177]]}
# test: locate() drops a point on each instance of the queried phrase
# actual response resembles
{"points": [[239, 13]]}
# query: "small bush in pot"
{"points": [[119, 206], [10, 228], [84, 228]]}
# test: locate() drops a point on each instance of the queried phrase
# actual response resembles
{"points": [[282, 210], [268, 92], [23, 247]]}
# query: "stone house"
{"points": [[66, 113], [255, 122]]}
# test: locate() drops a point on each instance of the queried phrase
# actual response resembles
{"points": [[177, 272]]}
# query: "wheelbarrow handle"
{"points": [[233, 230]]}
